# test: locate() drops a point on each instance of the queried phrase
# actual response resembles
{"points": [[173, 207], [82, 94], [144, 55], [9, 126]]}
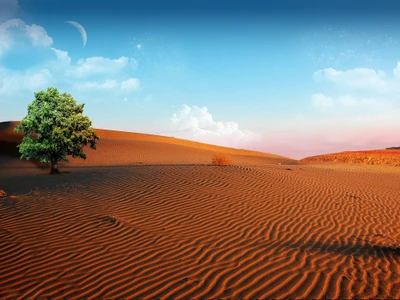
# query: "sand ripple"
{"points": [[201, 232]]}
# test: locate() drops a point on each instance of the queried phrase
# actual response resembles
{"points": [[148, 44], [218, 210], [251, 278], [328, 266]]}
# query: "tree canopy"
{"points": [[55, 128]]}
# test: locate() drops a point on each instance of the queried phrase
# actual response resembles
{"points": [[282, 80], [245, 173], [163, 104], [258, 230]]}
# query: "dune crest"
{"points": [[126, 148], [390, 157]]}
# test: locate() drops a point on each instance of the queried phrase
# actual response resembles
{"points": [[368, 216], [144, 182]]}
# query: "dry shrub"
{"points": [[3, 193], [110, 219], [221, 159]]}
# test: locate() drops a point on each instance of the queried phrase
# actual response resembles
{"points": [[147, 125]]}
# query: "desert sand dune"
{"points": [[389, 157], [126, 148], [149, 217]]}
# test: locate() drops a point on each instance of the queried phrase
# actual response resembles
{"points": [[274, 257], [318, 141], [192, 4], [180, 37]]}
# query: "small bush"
{"points": [[221, 159], [3, 193], [110, 219]]}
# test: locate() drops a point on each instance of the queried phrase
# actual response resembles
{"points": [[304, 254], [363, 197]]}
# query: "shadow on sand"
{"points": [[9, 150]]}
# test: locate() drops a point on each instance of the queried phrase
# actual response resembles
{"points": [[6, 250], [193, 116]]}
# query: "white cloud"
{"points": [[124, 86], [60, 69], [364, 88], [373, 103], [5, 39], [347, 102], [197, 123], [396, 71], [108, 84], [17, 82], [130, 84], [8, 8], [359, 78], [36, 34], [364, 106], [101, 66], [322, 101], [93, 72], [86, 75], [62, 56], [93, 79]]}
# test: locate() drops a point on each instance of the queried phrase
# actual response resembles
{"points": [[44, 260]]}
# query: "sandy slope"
{"points": [[389, 157], [126, 148], [175, 227]]}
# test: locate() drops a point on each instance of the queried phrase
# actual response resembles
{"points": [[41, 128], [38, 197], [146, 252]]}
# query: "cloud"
{"points": [[102, 77], [8, 8], [62, 56], [38, 35], [127, 85], [346, 101], [101, 66], [396, 71], [351, 101], [5, 39], [108, 84], [35, 33], [322, 101], [362, 87], [364, 105], [93, 72], [358, 78], [14, 82], [90, 78], [197, 123], [130, 84]]}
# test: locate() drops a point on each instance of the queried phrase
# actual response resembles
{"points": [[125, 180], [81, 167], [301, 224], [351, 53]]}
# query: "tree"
{"points": [[54, 128]]}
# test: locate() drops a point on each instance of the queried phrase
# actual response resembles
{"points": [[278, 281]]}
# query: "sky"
{"points": [[294, 78]]}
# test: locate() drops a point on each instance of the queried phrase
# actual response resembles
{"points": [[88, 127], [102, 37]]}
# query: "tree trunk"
{"points": [[54, 167]]}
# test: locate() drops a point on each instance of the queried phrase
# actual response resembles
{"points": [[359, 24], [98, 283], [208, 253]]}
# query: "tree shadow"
{"points": [[365, 250], [10, 150]]}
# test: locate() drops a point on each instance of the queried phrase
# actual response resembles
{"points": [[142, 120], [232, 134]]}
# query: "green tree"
{"points": [[54, 128]]}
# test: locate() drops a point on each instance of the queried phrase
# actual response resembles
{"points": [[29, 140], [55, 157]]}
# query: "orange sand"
{"points": [[149, 217], [371, 157]]}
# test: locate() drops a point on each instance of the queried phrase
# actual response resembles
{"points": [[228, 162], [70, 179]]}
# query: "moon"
{"points": [[82, 30]]}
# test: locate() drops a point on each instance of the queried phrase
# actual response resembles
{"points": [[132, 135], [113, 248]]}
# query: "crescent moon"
{"points": [[81, 30]]}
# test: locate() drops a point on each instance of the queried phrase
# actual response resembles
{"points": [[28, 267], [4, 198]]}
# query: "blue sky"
{"points": [[295, 78]]}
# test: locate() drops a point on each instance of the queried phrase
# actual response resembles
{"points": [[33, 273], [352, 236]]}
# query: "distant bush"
{"points": [[221, 159]]}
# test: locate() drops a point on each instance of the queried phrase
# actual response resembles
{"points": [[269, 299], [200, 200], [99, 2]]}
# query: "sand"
{"points": [[149, 217], [390, 157]]}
